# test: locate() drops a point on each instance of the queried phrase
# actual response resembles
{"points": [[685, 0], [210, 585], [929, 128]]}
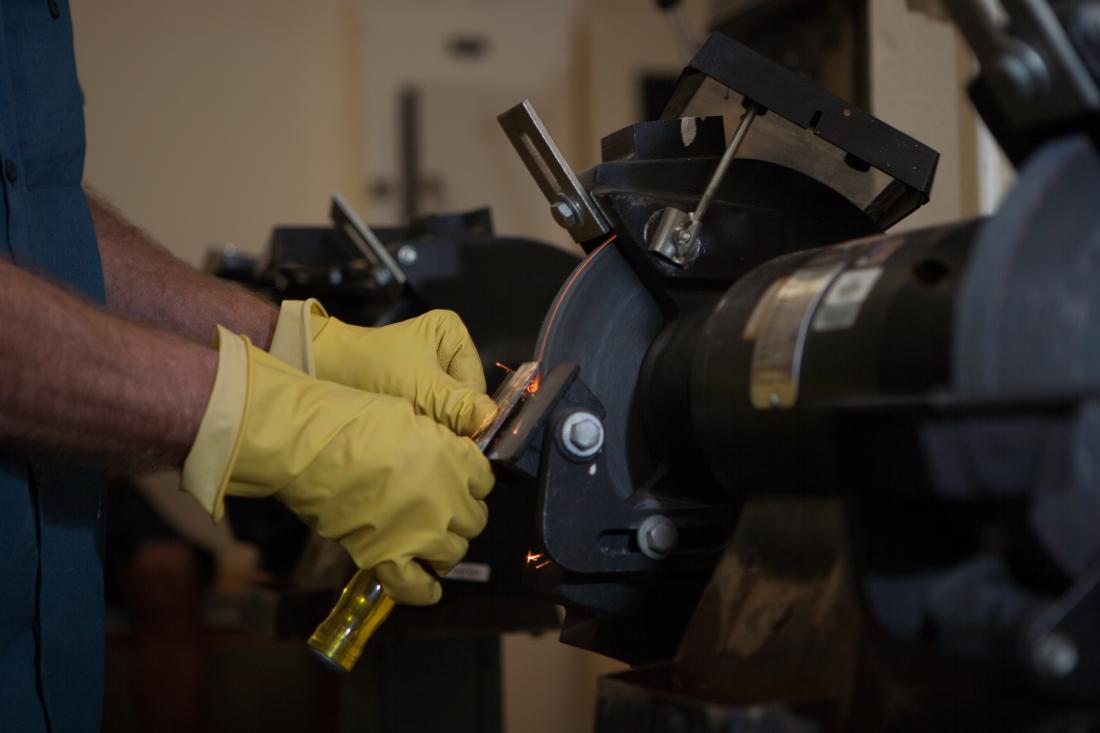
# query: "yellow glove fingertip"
{"points": [[484, 409], [477, 410]]}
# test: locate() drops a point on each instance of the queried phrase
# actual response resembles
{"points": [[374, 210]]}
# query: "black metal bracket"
{"points": [[862, 136], [586, 526]]}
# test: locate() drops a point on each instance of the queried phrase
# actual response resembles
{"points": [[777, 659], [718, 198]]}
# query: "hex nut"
{"points": [[585, 434], [564, 214], [582, 434], [658, 537]]}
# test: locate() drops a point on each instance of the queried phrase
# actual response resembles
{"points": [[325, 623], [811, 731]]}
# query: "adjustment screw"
{"points": [[582, 434], [407, 255], [564, 214], [1054, 654], [658, 537]]}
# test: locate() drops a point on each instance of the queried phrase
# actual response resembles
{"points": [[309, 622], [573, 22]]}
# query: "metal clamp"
{"points": [[367, 242], [570, 204], [676, 232]]}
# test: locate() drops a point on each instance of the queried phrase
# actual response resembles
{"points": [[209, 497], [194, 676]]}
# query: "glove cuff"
{"points": [[206, 469], [292, 342]]}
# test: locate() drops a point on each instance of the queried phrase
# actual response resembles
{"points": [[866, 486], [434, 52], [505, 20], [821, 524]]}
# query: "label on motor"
{"points": [[824, 292], [841, 305], [779, 324]]}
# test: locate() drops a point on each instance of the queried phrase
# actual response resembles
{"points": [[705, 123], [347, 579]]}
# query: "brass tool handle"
{"points": [[362, 608]]}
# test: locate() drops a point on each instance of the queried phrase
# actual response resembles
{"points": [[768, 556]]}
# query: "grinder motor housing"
{"points": [[928, 397]]}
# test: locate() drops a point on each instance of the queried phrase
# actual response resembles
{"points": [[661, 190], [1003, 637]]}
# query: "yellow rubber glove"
{"points": [[363, 469], [431, 361]]}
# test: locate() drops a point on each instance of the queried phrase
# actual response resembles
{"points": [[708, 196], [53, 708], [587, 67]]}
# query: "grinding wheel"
{"points": [[604, 320], [1029, 322]]}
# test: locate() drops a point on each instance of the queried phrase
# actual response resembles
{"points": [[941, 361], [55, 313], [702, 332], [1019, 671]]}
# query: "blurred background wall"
{"points": [[210, 121]]}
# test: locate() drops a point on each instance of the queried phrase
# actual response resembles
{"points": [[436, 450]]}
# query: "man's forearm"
{"points": [[146, 283], [76, 378]]}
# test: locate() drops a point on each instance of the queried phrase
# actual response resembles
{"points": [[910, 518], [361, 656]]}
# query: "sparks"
{"points": [[533, 557], [534, 385], [505, 367], [542, 564]]}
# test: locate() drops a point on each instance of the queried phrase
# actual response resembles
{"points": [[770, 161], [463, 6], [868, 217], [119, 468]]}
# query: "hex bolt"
{"points": [[585, 435], [658, 537], [1054, 654], [407, 254], [564, 213], [582, 434]]}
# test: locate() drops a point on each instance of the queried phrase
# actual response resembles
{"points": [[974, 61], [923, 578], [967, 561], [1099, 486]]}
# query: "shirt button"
{"points": [[9, 171]]}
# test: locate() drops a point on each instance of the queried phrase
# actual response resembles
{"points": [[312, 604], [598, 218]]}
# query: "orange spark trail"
{"points": [[565, 289]]}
